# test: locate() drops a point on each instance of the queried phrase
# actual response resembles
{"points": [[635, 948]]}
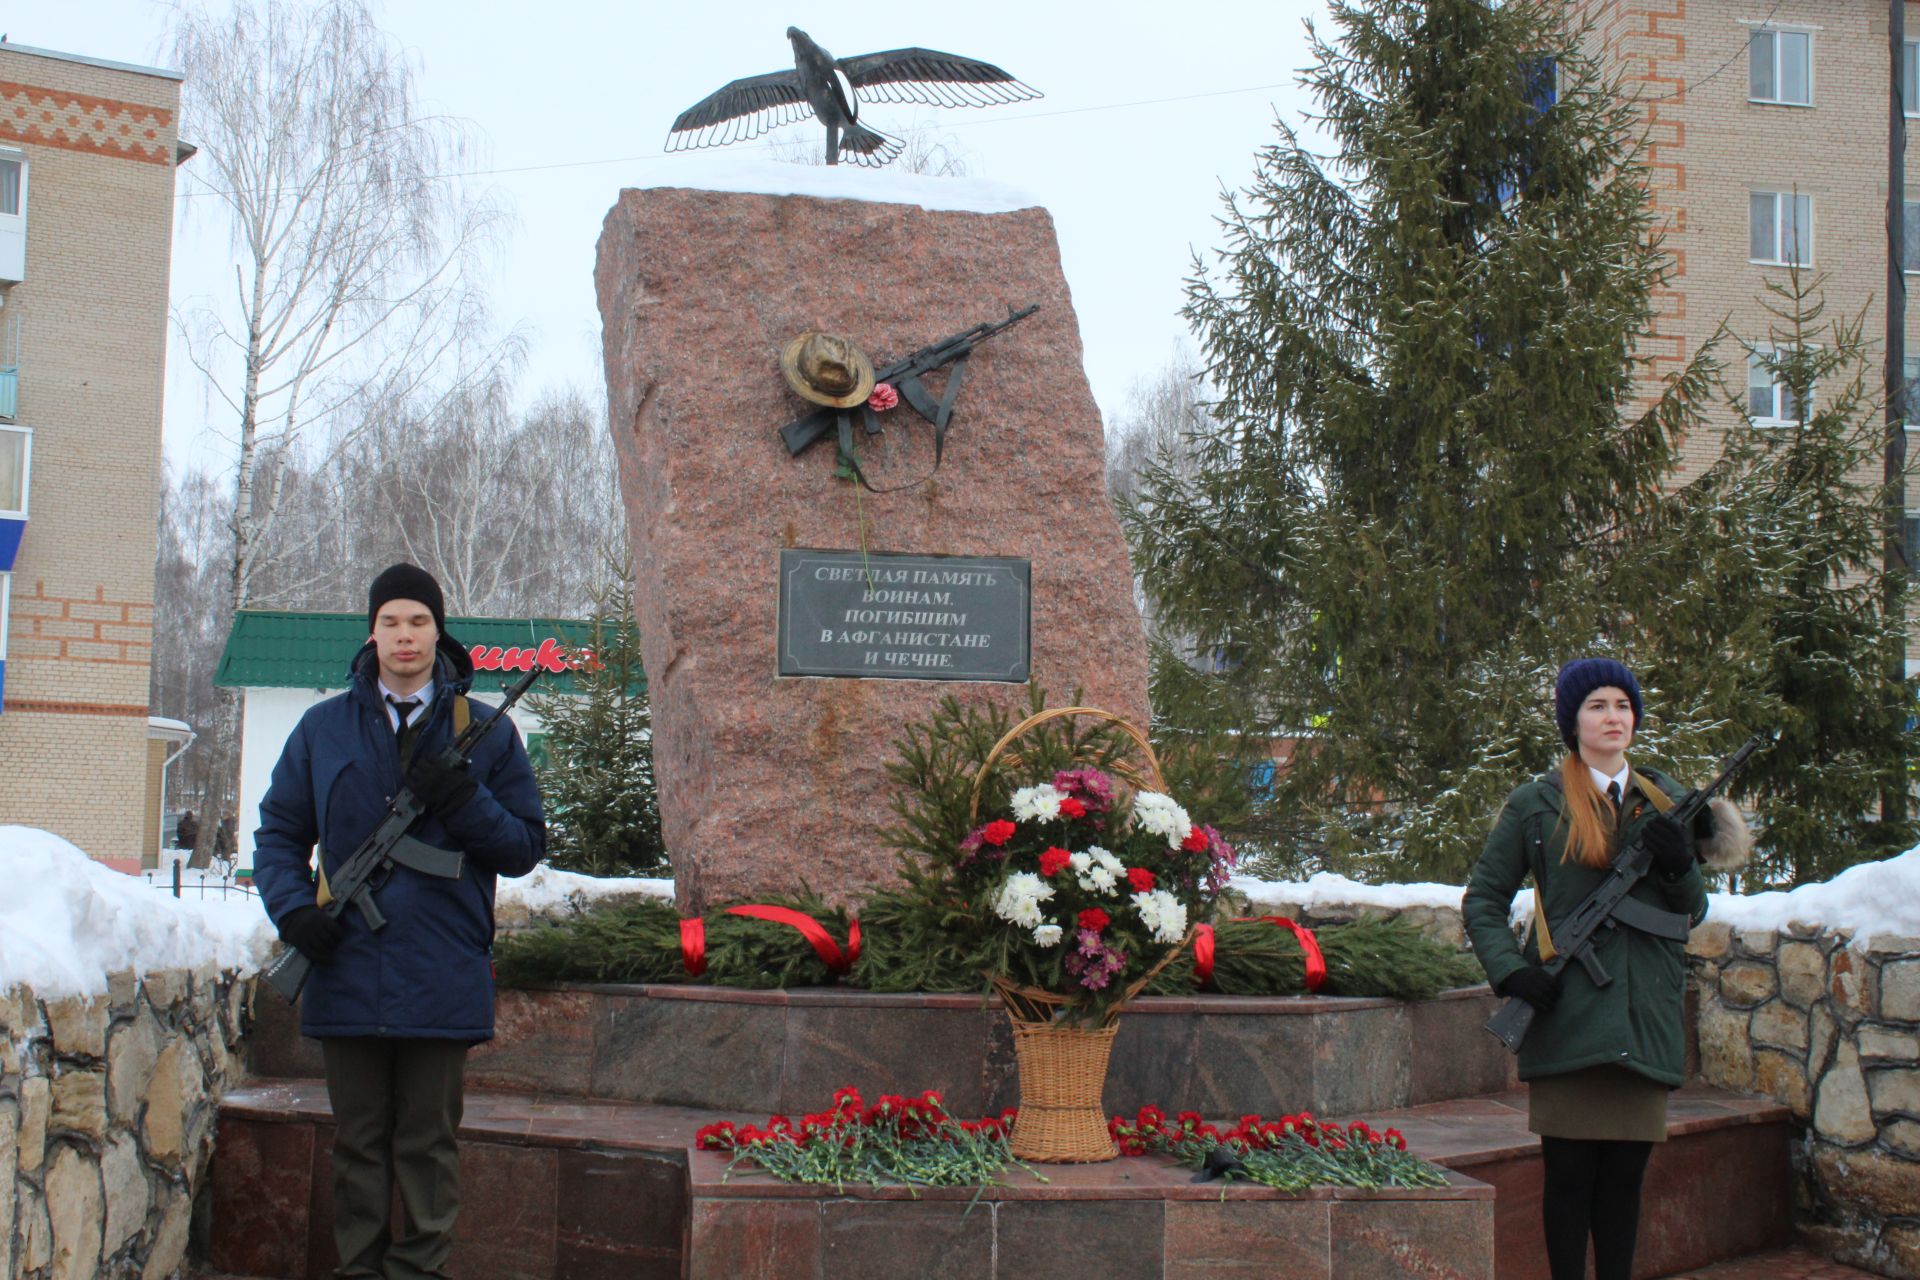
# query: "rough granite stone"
{"points": [[166, 988], [78, 1025], [169, 1246], [74, 1202], [1902, 1250], [1824, 1034], [765, 782], [123, 988], [1803, 973], [173, 1095], [9, 1132], [1885, 1185], [124, 1180], [1780, 1024], [36, 1230], [1746, 984], [1902, 1136], [1851, 988], [1784, 1077], [1894, 944], [1711, 940], [36, 1105], [1726, 1054], [1758, 942], [80, 1102], [1840, 1111], [15, 1009], [1900, 990], [1894, 1043], [1896, 1091], [132, 1050]]}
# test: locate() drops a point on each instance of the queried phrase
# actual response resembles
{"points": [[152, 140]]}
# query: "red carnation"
{"points": [[1140, 878], [998, 833], [884, 397], [1072, 807], [1095, 919], [1054, 861], [1196, 841]]}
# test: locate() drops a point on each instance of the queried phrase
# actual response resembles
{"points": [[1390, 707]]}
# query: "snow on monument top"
{"points": [[840, 182]]}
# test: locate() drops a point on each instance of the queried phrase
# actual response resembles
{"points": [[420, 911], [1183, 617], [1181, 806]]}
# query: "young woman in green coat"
{"points": [[1599, 1061]]}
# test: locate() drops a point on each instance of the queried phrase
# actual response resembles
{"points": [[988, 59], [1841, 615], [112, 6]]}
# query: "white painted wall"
{"points": [[267, 716]]}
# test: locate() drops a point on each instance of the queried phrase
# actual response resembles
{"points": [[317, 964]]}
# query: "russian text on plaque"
{"points": [[904, 617]]}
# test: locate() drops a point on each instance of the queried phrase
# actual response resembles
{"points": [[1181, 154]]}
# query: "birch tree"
{"points": [[350, 236]]}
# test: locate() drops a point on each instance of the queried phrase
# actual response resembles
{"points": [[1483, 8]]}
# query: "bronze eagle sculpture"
{"points": [[831, 89]]}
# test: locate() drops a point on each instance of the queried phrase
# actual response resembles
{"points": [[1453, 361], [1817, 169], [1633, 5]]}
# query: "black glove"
{"points": [[1534, 985], [1703, 825], [1667, 842], [313, 933], [440, 782]]}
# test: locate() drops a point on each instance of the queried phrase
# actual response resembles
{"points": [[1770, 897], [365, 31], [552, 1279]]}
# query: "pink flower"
{"points": [[884, 397]]}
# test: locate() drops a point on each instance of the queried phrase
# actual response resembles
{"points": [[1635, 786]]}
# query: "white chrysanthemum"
{"points": [[1047, 935], [1020, 899], [1080, 862], [1037, 804], [1097, 870], [1161, 815], [1106, 859], [1162, 913]]}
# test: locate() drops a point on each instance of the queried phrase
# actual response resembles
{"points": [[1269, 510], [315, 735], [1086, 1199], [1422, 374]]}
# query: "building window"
{"points": [[1780, 228], [13, 215], [16, 462], [1780, 67], [1910, 537], [1910, 78], [12, 183], [1770, 401]]}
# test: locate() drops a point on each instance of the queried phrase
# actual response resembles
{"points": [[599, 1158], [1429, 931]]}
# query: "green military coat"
{"points": [[1636, 1021]]}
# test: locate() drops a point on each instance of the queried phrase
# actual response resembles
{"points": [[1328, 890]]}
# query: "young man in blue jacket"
{"points": [[395, 1011]]}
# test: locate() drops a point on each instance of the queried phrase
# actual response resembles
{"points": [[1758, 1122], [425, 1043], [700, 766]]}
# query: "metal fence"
{"points": [[217, 883]]}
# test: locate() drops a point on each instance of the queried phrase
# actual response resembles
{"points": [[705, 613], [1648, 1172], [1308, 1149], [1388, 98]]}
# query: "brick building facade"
{"points": [[1767, 135], [87, 157]]}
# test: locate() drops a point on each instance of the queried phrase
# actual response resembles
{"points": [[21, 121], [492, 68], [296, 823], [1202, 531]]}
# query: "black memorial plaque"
{"points": [[901, 617]]}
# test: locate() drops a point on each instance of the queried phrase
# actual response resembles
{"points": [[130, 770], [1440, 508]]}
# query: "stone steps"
{"points": [[581, 1188], [1720, 1187]]}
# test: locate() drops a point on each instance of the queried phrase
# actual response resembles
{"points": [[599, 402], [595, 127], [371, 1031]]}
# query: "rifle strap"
{"points": [[1536, 858], [1655, 796], [323, 892]]}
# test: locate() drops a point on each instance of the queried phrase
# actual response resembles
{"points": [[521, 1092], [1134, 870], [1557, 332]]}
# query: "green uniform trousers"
{"points": [[396, 1109]]}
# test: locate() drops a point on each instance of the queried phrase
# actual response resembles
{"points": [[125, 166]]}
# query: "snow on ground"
{"points": [[66, 921], [1874, 899], [545, 890], [840, 182]]}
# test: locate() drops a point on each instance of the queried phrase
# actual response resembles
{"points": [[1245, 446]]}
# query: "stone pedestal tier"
{"points": [[769, 783]]}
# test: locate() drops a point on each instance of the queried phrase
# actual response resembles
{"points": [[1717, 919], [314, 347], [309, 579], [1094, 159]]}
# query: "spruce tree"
{"points": [[1428, 446], [603, 813], [1775, 613]]}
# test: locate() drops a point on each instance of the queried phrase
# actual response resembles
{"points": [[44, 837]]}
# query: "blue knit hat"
{"points": [[1581, 677]]}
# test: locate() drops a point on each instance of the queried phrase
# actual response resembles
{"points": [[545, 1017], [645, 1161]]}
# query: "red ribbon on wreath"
{"points": [[693, 945], [1203, 943], [823, 944]]}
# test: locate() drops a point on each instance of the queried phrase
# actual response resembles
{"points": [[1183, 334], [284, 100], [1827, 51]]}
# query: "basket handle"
{"points": [[1153, 774]]}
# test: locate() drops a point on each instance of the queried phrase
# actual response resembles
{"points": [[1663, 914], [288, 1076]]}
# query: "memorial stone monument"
{"points": [[792, 619]]}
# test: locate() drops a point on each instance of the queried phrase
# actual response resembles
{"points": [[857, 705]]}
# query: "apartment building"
{"points": [[87, 157], [1767, 131]]}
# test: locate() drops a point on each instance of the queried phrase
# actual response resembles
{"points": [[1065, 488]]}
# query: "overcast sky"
{"points": [[1150, 108]]}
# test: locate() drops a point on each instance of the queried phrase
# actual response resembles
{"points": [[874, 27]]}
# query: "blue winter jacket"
{"points": [[429, 973]]}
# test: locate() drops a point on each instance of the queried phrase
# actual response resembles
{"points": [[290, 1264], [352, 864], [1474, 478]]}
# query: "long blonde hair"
{"points": [[1588, 816]]}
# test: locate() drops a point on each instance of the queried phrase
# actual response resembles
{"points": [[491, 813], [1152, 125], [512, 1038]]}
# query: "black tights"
{"points": [[1592, 1189]]}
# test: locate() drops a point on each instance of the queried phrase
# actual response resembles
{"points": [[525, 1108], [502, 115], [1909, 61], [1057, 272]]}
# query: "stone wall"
{"points": [[106, 1121], [1832, 1031]]}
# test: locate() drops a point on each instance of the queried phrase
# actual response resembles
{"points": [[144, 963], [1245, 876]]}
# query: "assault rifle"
{"points": [[904, 376], [1609, 905], [388, 847]]}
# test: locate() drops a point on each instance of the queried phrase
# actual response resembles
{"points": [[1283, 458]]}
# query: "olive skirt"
{"points": [[1605, 1102]]}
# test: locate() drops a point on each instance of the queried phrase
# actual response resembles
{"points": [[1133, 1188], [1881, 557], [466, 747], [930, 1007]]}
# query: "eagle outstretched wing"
{"points": [[932, 78], [743, 109]]}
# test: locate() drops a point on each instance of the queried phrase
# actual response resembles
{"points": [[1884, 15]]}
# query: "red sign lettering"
{"points": [[550, 655]]}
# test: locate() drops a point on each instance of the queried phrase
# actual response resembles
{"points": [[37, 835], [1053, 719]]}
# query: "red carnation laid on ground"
{"points": [[884, 397]]}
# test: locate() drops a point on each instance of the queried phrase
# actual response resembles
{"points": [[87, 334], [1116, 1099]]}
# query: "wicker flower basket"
{"points": [[1063, 1065]]}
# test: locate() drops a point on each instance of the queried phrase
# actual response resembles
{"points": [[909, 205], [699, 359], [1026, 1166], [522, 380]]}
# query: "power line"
{"points": [[765, 146], [1713, 75]]}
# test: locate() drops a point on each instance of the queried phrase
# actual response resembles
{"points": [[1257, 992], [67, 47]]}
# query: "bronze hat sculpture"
{"points": [[827, 369]]}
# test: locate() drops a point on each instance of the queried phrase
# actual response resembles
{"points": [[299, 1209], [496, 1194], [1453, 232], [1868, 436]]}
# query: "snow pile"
{"points": [[546, 891], [1874, 899], [66, 922], [839, 182]]}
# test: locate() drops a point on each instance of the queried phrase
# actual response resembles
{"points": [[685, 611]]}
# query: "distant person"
{"points": [[223, 842], [1599, 1061], [186, 834], [396, 1011]]}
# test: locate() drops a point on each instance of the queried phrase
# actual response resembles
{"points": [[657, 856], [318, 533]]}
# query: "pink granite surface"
{"points": [[766, 783]]}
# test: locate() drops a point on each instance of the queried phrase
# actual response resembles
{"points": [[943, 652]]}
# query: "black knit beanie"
{"points": [[407, 582], [1580, 678]]}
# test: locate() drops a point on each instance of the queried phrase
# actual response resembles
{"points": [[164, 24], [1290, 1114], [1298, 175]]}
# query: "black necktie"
{"points": [[1613, 794], [404, 710]]}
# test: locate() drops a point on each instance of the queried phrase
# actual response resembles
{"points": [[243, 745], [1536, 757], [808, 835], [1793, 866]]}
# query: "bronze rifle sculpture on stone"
{"points": [[831, 90], [832, 372]]}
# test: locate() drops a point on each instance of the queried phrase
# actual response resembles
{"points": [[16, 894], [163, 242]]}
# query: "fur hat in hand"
{"points": [[1580, 678]]}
